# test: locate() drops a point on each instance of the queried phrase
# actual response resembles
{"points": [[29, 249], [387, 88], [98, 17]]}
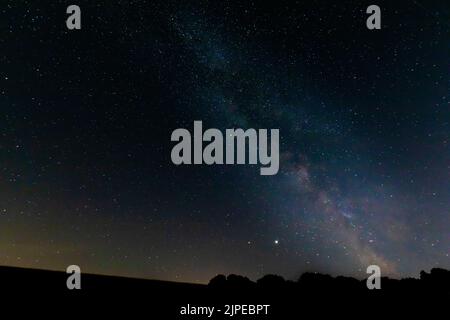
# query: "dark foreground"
{"points": [[234, 297]]}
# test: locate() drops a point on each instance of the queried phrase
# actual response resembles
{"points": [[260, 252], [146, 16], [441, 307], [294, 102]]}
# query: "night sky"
{"points": [[86, 118]]}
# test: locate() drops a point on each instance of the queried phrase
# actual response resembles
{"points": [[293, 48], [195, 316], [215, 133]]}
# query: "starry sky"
{"points": [[86, 117]]}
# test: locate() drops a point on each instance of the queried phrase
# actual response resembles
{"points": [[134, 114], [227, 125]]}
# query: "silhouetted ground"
{"points": [[44, 292]]}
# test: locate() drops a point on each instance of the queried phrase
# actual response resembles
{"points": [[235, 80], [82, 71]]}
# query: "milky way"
{"points": [[364, 138]]}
